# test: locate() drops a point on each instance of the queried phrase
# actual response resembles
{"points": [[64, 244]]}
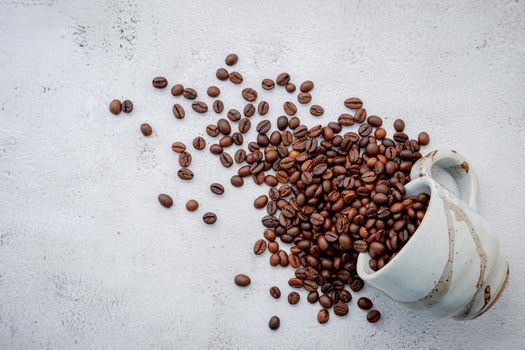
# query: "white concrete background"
{"points": [[89, 260]]}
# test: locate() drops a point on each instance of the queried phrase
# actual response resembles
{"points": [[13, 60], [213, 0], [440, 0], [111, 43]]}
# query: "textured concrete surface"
{"points": [[89, 260]]}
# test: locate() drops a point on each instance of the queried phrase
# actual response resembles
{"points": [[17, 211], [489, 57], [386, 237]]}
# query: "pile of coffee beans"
{"points": [[333, 193]]}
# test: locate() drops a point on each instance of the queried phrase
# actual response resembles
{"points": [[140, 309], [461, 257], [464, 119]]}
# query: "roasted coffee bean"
{"points": [[249, 94], [313, 297], [184, 159], [380, 133], [165, 200], [222, 74], [345, 296], [263, 127], [295, 282], [218, 106], [192, 205], [375, 121], [178, 147], [115, 107], [360, 115], [160, 82], [353, 103], [185, 174], [307, 86], [357, 284], [189, 93], [263, 108], [178, 111], [289, 108], [399, 125], [325, 301], [217, 188], [127, 106], [282, 123], [267, 84], [226, 160], [242, 280], [177, 90], [244, 125], [323, 316], [224, 126], [340, 309], [275, 292], [423, 138], [360, 246], [290, 87], [239, 156], [373, 316], [199, 143], [260, 202], [259, 247], [364, 303], [274, 323], [216, 149], [249, 110], [282, 79], [304, 98], [234, 115], [293, 298], [213, 91], [316, 110], [231, 59], [236, 181], [365, 130], [235, 77], [237, 138], [209, 218], [400, 137], [146, 129]]}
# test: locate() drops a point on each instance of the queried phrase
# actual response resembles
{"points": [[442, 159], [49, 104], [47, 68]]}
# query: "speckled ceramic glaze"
{"points": [[452, 266]]}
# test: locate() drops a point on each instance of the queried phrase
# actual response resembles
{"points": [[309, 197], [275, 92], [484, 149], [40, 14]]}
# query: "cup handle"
{"points": [[457, 166]]}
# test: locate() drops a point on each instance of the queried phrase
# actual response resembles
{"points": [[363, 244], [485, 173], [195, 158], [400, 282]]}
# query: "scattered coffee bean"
{"points": [[224, 126], [274, 323], [323, 316], [235, 77], [290, 108], [199, 143], [127, 106], [231, 59], [185, 159], [213, 91], [165, 200], [353, 103], [185, 174], [242, 280], [115, 107], [189, 93], [218, 106], [282, 79], [263, 108], [373, 316], [375, 121], [325, 301], [304, 98], [249, 94], [275, 292], [340, 309], [267, 84], [212, 130], [313, 297], [234, 115], [259, 247], [209, 218], [316, 110], [146, 129], [177, 90], [178, 111], [178, 147], [160, 82], [192, 205], [399, 125], [226, 160], [293, 298], [236, 181], [249, 110], [423, 138], [307, 86], [217, 188], [290, 87], [199, 107], [239, 156], [364, 303], [222, 74]]}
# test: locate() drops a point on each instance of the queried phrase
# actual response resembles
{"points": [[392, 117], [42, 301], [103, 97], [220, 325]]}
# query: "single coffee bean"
{"points": [[323, 316], [325, 301], [316, 110], [380, 133], [365, 130], [226, 141], [209, 218], [231, 59], [237, 138], [275, 292], [345, 296], [234, 115], [294, 124], [239, 156], [192, 205], [375, 121], [185, 159], [165, 200], [115, 107], [127, 106], [259, 247], [146, 129], [295, 282], [185, 174], [260, 202], [293, 298], [178, 111], [226, 160], [242, 280], [400, 137], [224, 126], [249, 110], [357, 284], [346, 119], [282, 122], [290, 87], [353, 103], [199, 107], [373, 316], [213, 91], [313, 297], [263, 127], [249, 94], [244, 125], [160, 82], [189, 93], [267, 84], [364, 303], [360, 246], [216, 149], [304, 98], [236, 181], [177, 90], [217, 188], [178, 147], [263, 107], [307, 86], [235, 77], [218, 106], [289, 108], [199, 143], [423, 138], [274, 323], [282, 79], [340, 309], [222, 74], [399, 125]]}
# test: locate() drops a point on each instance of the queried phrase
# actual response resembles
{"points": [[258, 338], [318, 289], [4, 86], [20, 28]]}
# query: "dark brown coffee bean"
{"points": [[237, 138], [234, 115], [340, 309], [380, 133], [165, 200], [345, 296], [399, 125], [235, 77], [313, 297], [325, 301], [323, 316], [353, 103], [185, 159], [249, 110], [189, 93], [282, 79], [185, 174], [375, 121], [275, 292], [293, 298], [231, 59], [224, 126], [369, 177], [213, 91], [373, 316], [239, 156], [400, 137], [365, 130], [304, 98], [209, 218], [267, 84], [177, 90], [364, 303], [295, 282], [259, 247], [222, 74], [274, 323], [263, 107], [115, 107], [357, 284], [192, 205], [289, 108], [226, 160], [236, 181], [160, 82], [263, 127], [218, 106], [316, 110], [360, 246], [146, 129], [423, 138], [290, 87], [178, 147], [307, 86], [244, 125], [260, 202], [199, 107], [216, 149], [199, 143], [178, 111], [217, 188], [127, 106], [242, 280], [249, 94]]}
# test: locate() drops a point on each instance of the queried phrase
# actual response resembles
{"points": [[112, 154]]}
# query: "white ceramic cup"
{"points": [[452, 266]]}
